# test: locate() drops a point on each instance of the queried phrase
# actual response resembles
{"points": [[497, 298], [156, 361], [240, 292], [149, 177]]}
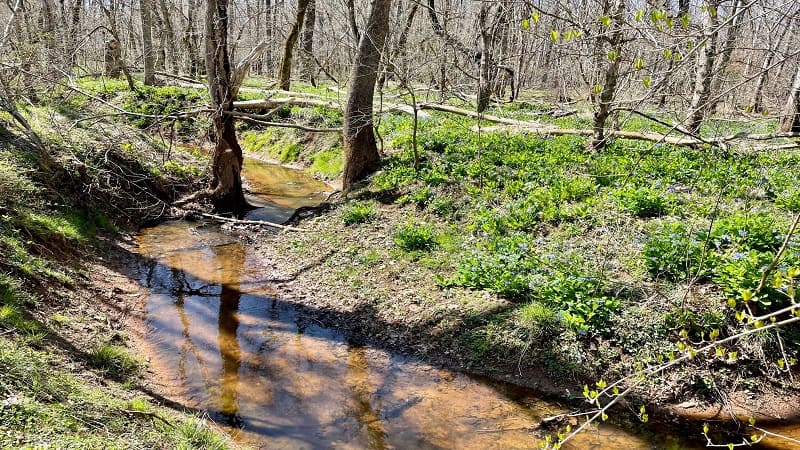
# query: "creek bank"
{"points": [[353, 278]]}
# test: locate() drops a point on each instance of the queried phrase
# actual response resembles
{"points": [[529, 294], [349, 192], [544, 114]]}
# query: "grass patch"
{"points": [[115, 361], [415, 237], [327, 163], [359, 212]]}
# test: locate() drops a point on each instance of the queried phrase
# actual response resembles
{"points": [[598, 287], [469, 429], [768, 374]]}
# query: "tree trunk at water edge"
{"points": [[360, 148]]}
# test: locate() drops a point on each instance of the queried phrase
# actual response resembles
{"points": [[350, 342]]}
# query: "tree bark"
{"points": [[190, 41], [307, 42], [285, 65], [725, 56], [485, 76], [226, 184], [351, 17], [603, 103], [147, 42], [172, 50], [790, 122], [705, 68], [360, 147]]}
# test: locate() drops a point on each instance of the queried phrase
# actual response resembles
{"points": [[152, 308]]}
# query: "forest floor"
{"points": [[532, 260]]}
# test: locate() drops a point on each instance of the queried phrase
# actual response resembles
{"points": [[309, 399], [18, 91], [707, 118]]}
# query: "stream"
{"points": [[221, 339]]}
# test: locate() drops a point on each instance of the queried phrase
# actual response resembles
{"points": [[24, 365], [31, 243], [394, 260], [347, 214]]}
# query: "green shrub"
{"points": [[505, 269], [646, 202], [358, 213], [582, 301], [415, 237], [697, 324], [740, 273], [789, 200], [675, 253], [419, 197], [542, 321]]}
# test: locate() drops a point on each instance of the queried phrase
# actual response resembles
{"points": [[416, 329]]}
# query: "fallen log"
{"points": [[309, 102], [540, 130], [252, 222]]}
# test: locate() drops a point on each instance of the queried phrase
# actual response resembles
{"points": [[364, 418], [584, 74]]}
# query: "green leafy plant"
{"points": [[739, 276], [674, 252], [756, 231], [646, 202], [358, 213], [415, 237]]}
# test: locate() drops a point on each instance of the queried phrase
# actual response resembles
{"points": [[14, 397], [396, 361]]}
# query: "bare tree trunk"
{"points": [[485, 77], [307, 42], [725, 55], [360, 148], [226, 183], [74, 33], [147, 42], [756, 103], [169, 30], [351, 17], [790, 122], [285, 65], [190, 40], [161, 51], [705, 68], [399, 51], [603, 104], [112, 23], [113, 59]]}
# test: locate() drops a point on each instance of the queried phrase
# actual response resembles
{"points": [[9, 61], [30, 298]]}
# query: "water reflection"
{"points": [[221, 341], [362, 395], [227, 340]]}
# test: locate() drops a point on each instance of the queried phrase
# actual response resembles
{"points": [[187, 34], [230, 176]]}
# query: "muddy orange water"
{"points": [[220, 339]]}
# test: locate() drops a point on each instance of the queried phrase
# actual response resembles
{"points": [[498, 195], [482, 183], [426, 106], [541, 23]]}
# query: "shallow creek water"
{"points": [[220, 339]]}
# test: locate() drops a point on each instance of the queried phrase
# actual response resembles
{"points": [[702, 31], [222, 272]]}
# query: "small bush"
{"points": [[413, 237], [420, 197], [582, 301], [740, 273], [114, 361], [505, 271], [358, 213], [789, 200], [646, 202]]}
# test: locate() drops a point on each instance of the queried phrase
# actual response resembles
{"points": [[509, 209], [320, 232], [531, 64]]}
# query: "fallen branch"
{"points": [[252, 222], [194, 83], [257, 118], [310, 101], [269, 103], [546, 130]]}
